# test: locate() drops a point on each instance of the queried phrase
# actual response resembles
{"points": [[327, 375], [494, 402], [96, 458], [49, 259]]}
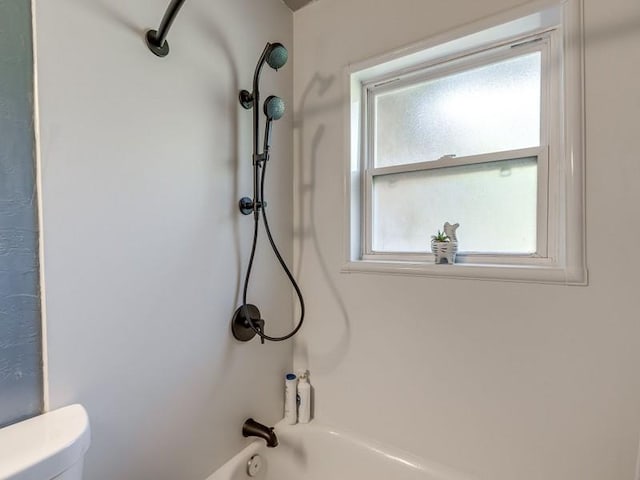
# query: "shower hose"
{"points": [[283, 264]]}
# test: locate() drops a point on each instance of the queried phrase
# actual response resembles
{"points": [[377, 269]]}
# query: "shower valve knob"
{"points": [[240, 326]]}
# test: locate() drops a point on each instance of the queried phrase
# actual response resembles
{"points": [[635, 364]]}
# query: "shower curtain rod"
{"points": [[157, 39]]}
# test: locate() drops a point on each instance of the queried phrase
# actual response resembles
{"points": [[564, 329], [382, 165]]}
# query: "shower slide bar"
{"points": [[157, 39]]}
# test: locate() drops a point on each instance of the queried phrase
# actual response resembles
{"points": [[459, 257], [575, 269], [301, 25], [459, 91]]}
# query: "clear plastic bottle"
{"points": [[304, 398]]}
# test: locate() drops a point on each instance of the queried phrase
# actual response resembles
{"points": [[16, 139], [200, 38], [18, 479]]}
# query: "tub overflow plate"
{"points": [[254, 465]]}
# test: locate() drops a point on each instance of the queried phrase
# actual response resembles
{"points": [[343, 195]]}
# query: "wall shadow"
{"points": [[306, 231], [218, 40]]}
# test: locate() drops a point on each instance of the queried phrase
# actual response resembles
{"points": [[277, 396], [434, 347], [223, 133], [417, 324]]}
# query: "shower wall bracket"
{"points": [[246, 205], [246, 99], [157, 39]]}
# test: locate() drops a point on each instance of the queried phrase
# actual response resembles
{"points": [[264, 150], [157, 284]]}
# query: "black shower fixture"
{"points": [[157, 39], [247, 321]]}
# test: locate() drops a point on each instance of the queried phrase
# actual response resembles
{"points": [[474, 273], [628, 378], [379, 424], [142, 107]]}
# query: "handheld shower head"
{"points": [[274, 108], [277, 56]]}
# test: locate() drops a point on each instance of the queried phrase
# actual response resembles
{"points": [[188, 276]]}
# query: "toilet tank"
{"points": [[46, 447]]}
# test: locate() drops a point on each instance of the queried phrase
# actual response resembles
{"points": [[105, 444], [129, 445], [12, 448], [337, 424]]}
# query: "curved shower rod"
{"points": [[157, 39]]}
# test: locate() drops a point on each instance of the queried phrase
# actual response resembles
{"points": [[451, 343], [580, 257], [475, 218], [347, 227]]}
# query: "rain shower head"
{"points": [[274, 108], [277, 56]]}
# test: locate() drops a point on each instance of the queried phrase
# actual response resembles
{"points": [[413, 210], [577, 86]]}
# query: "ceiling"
{"points": [[297, 4]]}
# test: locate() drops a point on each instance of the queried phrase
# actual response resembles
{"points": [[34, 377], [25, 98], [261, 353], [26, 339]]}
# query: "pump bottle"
{"points": [[304, 398]]}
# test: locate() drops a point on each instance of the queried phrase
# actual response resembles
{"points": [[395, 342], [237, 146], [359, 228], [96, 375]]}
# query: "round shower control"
{"points": [[254, 465]]}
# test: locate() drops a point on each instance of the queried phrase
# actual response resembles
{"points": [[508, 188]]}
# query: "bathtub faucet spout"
{"points": [[251, 428]]}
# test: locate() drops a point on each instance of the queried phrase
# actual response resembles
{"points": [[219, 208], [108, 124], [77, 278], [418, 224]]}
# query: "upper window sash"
{"points": [[540, 42]]}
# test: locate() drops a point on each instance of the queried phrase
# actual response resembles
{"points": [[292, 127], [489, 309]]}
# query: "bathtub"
{"points": [[317, 452]]}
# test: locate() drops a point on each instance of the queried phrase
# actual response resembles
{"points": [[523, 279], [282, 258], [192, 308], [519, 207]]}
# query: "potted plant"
{"points": [[444, 245]]}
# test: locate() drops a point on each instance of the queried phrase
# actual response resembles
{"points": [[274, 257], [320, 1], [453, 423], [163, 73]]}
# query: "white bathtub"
{"points": [[317, 452]]}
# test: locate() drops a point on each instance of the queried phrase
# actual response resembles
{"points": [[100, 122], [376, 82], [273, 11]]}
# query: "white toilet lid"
{"points": [[44, 446]]}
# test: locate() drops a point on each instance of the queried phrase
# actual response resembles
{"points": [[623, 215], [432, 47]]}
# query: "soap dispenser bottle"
{"points": [[304, 398]]}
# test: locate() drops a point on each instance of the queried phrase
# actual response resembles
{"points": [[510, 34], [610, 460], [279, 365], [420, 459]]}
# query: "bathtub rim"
{"points": [[377, 448]]}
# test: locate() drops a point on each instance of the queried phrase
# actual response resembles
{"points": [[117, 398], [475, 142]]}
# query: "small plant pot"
{"points": [[444, 252]]}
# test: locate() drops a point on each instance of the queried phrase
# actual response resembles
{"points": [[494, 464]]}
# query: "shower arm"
{"points": [[156, 39]]}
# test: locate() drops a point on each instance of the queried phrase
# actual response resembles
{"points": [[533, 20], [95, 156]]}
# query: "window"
{"points": [[484, 130]]}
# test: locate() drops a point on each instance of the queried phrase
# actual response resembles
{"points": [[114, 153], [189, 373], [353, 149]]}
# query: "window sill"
{"points": [[503, 273]]}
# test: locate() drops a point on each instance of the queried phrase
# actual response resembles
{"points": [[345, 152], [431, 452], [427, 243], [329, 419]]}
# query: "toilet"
{"points": [[47, 447]]}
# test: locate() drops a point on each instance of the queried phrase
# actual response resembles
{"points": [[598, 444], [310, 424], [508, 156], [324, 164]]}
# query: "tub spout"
{"points": [[251, 428]]}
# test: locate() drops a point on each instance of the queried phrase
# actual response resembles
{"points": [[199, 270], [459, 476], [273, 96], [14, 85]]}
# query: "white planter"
{"points": [[445, 252]]}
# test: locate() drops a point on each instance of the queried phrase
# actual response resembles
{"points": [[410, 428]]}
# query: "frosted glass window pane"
{"points": [[492, 108], [495, 204]]}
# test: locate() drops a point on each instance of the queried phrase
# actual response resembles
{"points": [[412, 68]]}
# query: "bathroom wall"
{"points": [[143, 163], [497, 380], [20, 338]]}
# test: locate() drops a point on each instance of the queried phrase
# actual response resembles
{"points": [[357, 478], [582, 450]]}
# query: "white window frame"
{"points": [[554, 29]]}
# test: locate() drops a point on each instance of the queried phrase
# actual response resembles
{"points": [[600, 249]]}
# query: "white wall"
{"points": [[143, 162], [498, 380]]}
